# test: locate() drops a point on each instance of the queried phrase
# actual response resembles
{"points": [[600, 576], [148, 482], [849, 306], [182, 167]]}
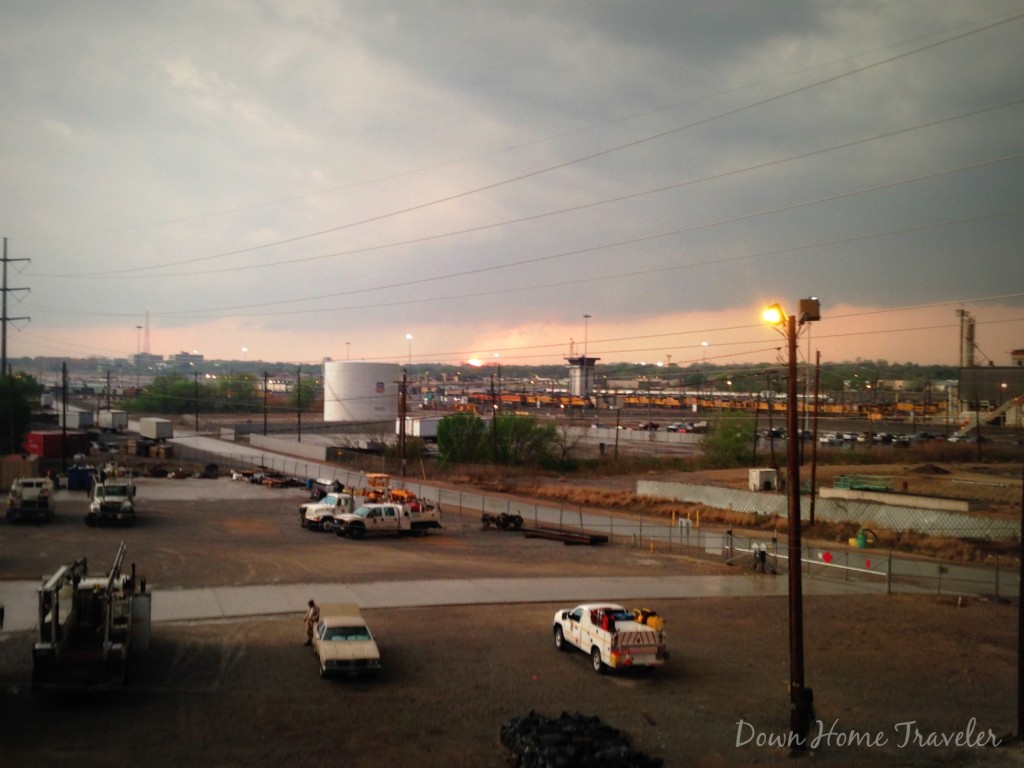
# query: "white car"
{"points": [[343, 642]]}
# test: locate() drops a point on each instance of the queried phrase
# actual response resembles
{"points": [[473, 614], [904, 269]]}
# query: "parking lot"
{"points": [[246, 692]]}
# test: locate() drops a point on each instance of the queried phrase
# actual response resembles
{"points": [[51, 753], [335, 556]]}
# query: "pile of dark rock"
{"points": [[570, 741]]}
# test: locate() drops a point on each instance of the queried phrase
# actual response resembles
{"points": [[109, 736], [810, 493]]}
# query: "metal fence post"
{"points": [[997, 578], [888, 574]]}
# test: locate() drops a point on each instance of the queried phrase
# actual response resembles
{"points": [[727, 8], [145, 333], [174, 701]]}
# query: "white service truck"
{"points": [[320, 515], [611, 635], [112, 498], [388, 518], [30, 498]]}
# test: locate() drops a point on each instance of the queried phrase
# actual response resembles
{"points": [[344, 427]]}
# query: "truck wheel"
{"points": [[356, 531], [595, 660], [327, 524], [90, 520], [560, 640]]}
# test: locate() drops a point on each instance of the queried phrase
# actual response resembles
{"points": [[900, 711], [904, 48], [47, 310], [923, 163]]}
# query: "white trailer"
{"points": [[156, 429], [425, 428], [112, 420], [75, 419]]}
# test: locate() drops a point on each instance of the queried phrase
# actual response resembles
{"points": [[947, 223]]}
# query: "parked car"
{"points": [[343, 642]]}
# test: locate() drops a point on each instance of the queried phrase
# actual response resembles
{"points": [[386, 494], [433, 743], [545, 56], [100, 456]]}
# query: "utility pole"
{"points": [[814, 435], [401, 415], [494, 419], [298, 401], [4, 319], [64, 418], [265, 377], [195, 397]]}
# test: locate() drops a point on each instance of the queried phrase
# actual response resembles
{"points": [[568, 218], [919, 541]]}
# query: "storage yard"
{"points": [[246, 691]]}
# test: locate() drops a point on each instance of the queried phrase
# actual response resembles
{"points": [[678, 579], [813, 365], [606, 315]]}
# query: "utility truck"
{"points": [[388, 518], [112, 498], [612, 636], [321, 515], [30, 499], [87, 627]]}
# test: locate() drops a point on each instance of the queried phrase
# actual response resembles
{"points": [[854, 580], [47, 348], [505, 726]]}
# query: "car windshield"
{"points": [[347, 633], [330, 499], [363, 512]]}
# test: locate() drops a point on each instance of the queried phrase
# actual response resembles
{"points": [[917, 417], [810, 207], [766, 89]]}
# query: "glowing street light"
{"points": [[408, 337], [801, 698]]}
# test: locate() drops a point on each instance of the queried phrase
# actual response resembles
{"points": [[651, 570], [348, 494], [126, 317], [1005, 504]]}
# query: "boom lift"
{"points": [[87, 625]]}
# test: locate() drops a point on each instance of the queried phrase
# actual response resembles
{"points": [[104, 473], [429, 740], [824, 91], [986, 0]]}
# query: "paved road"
{"points": [[277, 599]]}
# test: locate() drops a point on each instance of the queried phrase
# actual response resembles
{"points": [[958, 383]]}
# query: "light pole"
{"points": [[586, 365], [801, 698], [408, 337], [703, 362], [138, 351]]}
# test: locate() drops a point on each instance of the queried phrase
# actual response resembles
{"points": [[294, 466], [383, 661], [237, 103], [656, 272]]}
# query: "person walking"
{"points": [[312, 618]]}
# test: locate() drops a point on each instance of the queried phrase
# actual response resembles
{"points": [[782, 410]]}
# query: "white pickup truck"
{"points": [[388, 518], [611, 635], [321, 515]]}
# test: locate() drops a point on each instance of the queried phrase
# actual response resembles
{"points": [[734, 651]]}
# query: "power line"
{"points": [[583, 158]]}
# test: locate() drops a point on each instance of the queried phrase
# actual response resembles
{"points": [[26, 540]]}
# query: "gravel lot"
{"points": [[236, 693]]}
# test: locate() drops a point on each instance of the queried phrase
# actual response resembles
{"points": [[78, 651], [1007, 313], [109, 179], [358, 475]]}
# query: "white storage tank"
{"points": [[355, 391]]}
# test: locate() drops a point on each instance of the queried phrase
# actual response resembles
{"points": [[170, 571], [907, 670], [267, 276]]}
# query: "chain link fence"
{"points": [[874, 570]]}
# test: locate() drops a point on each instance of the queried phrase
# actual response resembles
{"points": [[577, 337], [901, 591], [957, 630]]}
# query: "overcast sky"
{"points": [[323, 178]]}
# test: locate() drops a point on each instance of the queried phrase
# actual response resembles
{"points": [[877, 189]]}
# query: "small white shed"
{"points": [[763, 479]]}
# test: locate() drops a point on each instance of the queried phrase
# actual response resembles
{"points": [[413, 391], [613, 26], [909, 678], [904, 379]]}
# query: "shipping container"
{"points": [[48, 444]]}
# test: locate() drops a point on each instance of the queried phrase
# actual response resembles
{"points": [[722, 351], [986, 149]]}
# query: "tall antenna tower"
{"points": [[4, 319]]}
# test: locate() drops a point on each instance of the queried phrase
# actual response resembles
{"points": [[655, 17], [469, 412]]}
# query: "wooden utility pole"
{"points": [[401, 418], [814, 435]]}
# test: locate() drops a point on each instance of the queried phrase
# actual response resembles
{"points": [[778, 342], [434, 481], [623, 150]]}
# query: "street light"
{"points": [[408, 338], [801, 698]]}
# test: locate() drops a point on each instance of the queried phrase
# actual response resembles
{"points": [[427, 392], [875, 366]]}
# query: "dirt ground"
{"points": [[885, 670]]}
